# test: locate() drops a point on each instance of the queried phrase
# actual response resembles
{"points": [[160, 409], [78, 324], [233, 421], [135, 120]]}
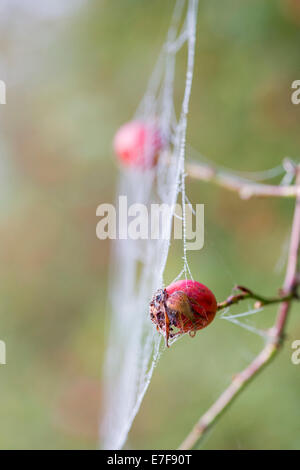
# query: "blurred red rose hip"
{"points": [[137, 144]]}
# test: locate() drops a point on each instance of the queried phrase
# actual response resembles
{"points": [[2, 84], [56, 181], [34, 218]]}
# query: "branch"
{"points": [[241, 380], [234, 183], [246, 293]]}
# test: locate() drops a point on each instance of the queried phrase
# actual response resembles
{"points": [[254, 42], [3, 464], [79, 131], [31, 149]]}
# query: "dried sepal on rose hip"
{"points": [[137, 144], [182, 307]]}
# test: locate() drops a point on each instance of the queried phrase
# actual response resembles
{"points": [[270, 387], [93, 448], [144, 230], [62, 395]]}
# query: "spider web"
{"points": [[138, 265]]}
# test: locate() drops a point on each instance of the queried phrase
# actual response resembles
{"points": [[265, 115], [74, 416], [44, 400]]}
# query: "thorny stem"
{"points": [[231, 182], [242, 379]]}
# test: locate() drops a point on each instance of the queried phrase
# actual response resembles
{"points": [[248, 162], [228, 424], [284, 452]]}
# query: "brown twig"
{"points": [[261, 301], [231, 182], [241, 380]]}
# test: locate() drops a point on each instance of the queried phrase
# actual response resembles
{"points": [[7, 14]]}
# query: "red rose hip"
{"points": [[137, 144], [182, 307]]}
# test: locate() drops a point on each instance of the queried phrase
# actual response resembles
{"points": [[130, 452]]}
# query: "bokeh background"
{"points": [[75, 71]]}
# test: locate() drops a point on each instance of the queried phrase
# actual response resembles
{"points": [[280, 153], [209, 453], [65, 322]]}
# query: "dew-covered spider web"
{"points": [[138, 265]]}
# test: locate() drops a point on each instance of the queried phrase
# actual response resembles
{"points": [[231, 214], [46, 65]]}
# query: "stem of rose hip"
{"points": [[261, 300]]}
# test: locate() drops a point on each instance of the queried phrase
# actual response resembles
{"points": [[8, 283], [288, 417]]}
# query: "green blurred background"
{"points": [[75, 71]]}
